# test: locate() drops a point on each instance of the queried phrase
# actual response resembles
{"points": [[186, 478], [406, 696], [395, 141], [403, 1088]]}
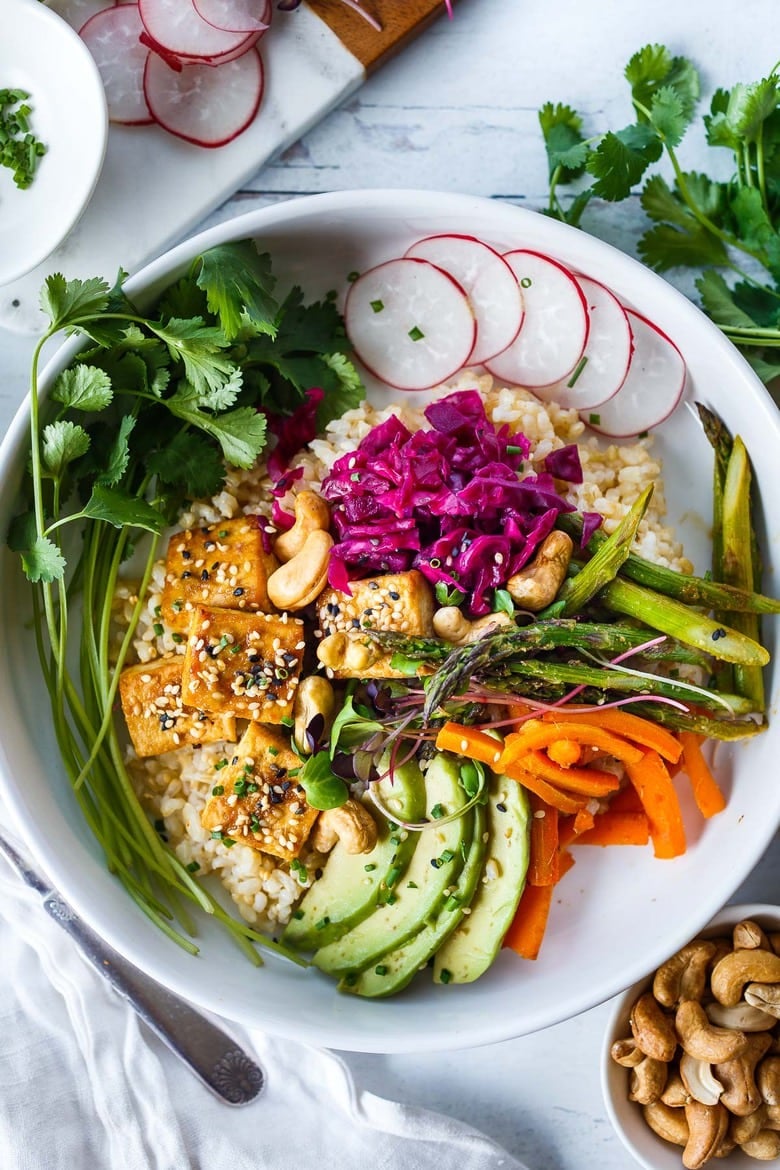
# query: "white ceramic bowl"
{"points": [[619, 911], [41, 54], [649, 1150]]}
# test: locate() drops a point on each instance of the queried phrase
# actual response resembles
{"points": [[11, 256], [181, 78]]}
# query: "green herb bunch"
{"points": [[20, 150], [699, 222], [147, 416]]}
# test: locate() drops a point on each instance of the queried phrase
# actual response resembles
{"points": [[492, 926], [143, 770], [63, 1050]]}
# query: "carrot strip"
{"points": [[565, 802], [543, 860], [565, 862], [626, 800], [526, 933], [518, 710], [570, 828], [617, 828], [565, 752], [659, 798], [632, 727], [468, 741], [708, 796], [584, 781], [535, 735]]}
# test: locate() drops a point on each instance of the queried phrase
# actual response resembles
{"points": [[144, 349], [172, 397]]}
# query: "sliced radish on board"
{"points": [[653, 386], [555, 327], [603, 367], [235, 15], [202, 104], [410, 323], [489, 283], [112, 37], [176, 27]]}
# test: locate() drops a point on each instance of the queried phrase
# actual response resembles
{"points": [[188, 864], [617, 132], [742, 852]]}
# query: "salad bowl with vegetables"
{"points": [[388, 618]]}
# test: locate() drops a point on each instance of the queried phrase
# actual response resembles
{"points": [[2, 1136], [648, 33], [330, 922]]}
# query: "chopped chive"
{"points": [[580, 366], [452, 902], [447, 855], [444, 975], [193, 867], [220, 764], [178, 637], [513, 450], [595, 419], [223, 532], [273, 751], [287, 721], [437, 811], [416, 334], [412, 886], [380, 970], [158, 630], [526, 282], [157, 610], [239, 787], [216, 834], [393, 875], [218, 790], [370, 867], [351, 979], [391, 899], [298, 915], [228, 842], [323, 922], [377, 306], [352, 276]]}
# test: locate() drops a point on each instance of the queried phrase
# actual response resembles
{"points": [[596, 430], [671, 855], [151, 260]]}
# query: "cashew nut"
{"points": [[667, 1122], [703, 1040], [296, 584], [451, 625], [744, 1129], [743, 1016], [536, 585], [699, 1080], [741, 967], [340, 652], [312, 514], [626, 1053], [765, 1146], [748, 936], [652, 1029], [684, 975], [351, 823], [768, 1080], [675, 1093], [648, 1080], [741, 1094], [707, 1127], [765, 996], [313, 697]]}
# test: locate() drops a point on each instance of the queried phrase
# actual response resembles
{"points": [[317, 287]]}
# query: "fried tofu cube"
{"points": [[260, 802], [217, 564], [401, 602], [243, 664], [156, 717]]}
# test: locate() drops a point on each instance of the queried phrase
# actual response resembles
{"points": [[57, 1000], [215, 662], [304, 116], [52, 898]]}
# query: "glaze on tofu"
{"points": [[156, 717], [400, 602], [243, 664], [221, 564], [256, 799]]}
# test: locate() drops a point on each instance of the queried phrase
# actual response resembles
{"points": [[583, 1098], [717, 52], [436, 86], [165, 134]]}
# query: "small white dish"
{"points": [[41, 54], [647, 1148]]}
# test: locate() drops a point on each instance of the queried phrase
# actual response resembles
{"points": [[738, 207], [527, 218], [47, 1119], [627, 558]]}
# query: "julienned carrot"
{"points": [[535, 734], [565, 752], [583, 781], [623, 723], [530, 921], [565, 862], [570, 829], [616, 828], [626, 800], [543, 860], [659, 799], [708, 796], [565, 802], [470, 742]]}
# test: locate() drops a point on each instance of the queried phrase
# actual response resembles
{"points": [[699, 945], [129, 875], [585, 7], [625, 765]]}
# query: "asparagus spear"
{"points": [[722, 443], [688, 589], [727, 729], [603, 566], [737, 561]]}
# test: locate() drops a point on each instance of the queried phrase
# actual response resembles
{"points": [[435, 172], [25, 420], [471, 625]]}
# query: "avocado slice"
{"points": [[435, 866], [468, 951], [397, 968], [352, 884]]}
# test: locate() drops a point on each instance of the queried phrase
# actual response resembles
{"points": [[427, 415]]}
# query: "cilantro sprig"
{"points": [[717, 227], [153, 409]]}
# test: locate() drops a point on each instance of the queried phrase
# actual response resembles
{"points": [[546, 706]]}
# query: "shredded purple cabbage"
{"points": [[450, 500]]}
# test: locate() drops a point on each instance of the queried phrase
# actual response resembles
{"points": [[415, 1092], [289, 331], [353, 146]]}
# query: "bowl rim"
{"points": [[577, 247]]}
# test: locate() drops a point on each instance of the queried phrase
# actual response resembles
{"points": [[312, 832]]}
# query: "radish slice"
{"points": [[235, 15], [489, 283], [177, 27], [202, 104], [555, 327], [653, 386], [603, 367], [112, 37], [410, 323]]}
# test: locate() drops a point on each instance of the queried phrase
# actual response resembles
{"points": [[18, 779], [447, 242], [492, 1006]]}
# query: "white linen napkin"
{"points": [[83, 1083]]}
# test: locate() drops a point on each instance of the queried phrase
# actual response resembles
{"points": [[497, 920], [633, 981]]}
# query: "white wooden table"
{"points": [[457, 111]]}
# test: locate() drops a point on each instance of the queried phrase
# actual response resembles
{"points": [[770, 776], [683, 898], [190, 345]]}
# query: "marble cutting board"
{"points": [[155, 189]]}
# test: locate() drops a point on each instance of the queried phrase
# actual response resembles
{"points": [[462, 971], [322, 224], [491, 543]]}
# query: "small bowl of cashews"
{"points": [[691, 1059]]}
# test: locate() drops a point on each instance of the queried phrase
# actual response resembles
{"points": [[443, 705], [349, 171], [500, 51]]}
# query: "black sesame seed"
{"points": [[186, 574], [238, 592], [187, 555], [394, 596], [204, 575], [501, 807]]}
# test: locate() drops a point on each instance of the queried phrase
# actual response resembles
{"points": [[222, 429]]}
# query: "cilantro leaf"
{"points": [[666, 246], [621, 159], [653, 68], [346, 392], [717, 299], [199, 347], [221, 397], [563, 139], [667, 115], [192, 461], [238, 281], [118, 453], [63, 443], [43, 561], [663, 205], [755, 227], [83, 387], [65, 301], [119, 508], [240, 433]]}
